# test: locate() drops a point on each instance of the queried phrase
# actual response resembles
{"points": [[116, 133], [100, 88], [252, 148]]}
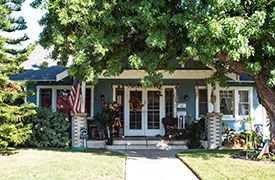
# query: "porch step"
{"points": [[96, 144], [145, 143], [143, 147], [139, 144]]}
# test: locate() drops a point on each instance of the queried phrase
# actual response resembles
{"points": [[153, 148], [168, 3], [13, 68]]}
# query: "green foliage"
{"points": [[13, 111], [195, 131], [44, 65], [10, 56], [112, 35], [50, 129], [105, 118], [148, 33], [251, 140]]}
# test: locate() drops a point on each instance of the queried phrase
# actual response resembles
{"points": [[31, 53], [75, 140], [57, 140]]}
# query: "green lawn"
{"points": [[61, 164], [217, 164]]}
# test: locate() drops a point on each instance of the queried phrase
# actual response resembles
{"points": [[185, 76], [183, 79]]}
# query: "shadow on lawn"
{"points": [[8, 152], [208, 154], [14, 151], [68, 150]]}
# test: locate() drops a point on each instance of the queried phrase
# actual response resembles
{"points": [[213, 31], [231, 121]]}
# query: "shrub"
{"points": [[50, 129], [195, 131]]}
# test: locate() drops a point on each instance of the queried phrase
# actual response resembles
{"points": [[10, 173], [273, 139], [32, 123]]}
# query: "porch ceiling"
{"points": [[136, 74]]}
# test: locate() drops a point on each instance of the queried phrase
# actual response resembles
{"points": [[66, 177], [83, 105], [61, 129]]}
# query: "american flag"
{"points": [[213, 95], [75, 97], [265, 150]]}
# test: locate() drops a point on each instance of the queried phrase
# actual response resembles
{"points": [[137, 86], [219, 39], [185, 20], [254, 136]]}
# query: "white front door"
{"points": [[145, 121]]}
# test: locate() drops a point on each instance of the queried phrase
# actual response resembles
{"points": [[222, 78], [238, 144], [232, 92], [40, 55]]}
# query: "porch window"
{"points": [[153, 109], [46, 98], [88, 102], [243, 103], [169, 102], [62, 101], [203, 107], [120, 101], [226, 102]]}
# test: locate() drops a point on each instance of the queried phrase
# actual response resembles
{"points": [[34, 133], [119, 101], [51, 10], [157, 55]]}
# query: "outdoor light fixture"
{"points": [[102, 97], [186, 97]]}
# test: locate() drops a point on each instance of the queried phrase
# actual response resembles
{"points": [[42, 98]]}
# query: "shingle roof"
{"points": [[245, 77], [47, 74]]}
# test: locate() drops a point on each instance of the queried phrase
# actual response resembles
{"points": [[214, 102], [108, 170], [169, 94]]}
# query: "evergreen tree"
{"points": [[13, 131]]}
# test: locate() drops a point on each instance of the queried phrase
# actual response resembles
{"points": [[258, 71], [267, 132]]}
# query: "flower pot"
{"points": [[109, 141]]}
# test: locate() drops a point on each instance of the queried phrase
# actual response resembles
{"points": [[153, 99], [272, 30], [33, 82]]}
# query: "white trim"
{"points": [[235, 77], [136, 74], [83, 96], [145, 131], [210, 106], [197, 100], [236, 90], [54, 95], [62, 75], [178, 74], [25, 98]]}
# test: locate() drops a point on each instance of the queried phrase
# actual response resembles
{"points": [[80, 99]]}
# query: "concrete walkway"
{"points": [[156, 165]]}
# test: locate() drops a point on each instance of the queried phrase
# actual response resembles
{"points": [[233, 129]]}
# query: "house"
{"points": [[183, 94]]}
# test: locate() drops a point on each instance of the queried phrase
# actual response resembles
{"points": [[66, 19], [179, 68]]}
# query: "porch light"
{"points": [[102, 97], [186, 98]]}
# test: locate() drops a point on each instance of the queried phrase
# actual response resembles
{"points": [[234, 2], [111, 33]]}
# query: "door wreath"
{"points": [[135, 104]]}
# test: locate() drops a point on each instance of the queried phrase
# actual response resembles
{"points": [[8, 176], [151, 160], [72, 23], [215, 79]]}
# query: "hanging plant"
{"points": [[135, 104]]}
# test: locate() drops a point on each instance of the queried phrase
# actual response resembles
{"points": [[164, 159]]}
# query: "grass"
{"points": [[61, 164], [217, 164]]}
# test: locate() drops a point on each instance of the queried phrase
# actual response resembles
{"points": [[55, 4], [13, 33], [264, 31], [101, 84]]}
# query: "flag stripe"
{"points": [[75, 97]]}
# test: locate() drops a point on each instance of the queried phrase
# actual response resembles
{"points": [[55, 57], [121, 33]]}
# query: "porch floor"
{"points": [[140, 143]]}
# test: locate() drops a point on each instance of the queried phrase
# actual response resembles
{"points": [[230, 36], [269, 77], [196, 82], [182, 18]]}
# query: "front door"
{"points": [[143, 112]]}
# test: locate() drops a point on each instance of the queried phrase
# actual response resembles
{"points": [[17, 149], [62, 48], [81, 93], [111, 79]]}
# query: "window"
{"points": [[169, 102], [226, 102], [62, 101], [203, 107], [88, 102], [120, 101], [243, 103], [46, 98]]}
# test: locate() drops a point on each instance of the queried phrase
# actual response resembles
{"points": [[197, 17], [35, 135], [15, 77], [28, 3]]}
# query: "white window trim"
{"points": [[236, 90], [197, 100], [54, 95], [163, 87]]}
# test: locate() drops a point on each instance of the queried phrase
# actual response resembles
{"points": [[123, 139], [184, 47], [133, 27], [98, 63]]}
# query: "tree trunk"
{"points": [[266, 94]]}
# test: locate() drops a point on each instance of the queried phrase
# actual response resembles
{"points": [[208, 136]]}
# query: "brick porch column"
{"points": [[78, 121], [214, 130]]}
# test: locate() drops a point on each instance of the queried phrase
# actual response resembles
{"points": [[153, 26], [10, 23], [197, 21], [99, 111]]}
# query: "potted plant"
{"points": [[106, 119]]}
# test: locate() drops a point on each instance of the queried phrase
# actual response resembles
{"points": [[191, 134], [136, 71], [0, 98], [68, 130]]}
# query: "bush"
{"points": [[195, 131], [50, 129]]}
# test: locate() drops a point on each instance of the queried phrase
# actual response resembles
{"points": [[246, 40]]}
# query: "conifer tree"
{"points": [[13, 110]]}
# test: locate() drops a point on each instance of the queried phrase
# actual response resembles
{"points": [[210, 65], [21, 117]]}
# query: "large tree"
{"points": [[232, 36], [13, 131]]}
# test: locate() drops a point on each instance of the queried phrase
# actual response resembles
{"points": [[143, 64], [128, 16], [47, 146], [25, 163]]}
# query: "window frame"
{"points": [[197, 101], [234, 102], [54, 95], [236, 90]]}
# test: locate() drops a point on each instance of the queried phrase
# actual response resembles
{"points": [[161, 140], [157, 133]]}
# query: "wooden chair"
{"points": [[170, 125]]}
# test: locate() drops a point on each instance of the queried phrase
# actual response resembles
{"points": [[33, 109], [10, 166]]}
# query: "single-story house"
{"points": [[184, 93]]}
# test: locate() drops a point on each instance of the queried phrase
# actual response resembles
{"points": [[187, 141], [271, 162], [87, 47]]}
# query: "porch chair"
{"points": [[170, 125]]}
